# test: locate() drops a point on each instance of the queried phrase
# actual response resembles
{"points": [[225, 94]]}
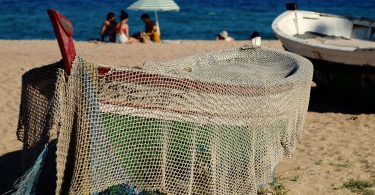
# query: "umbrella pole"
{"points": [[157, 22]]}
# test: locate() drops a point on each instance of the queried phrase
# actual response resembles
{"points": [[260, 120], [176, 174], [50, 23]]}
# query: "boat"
{"points": [[342, 49]]}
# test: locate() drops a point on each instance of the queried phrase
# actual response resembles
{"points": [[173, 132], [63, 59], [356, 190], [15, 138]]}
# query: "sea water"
{"points": [[197, 19]]}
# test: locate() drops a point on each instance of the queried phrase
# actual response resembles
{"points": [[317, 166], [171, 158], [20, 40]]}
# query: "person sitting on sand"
{"points": [[122, 30], [151, 29], [223, 36], [108, 30]]}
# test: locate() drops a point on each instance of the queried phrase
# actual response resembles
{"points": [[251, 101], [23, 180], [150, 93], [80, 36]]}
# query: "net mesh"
{"points": [[216, 123], [38, 109]]}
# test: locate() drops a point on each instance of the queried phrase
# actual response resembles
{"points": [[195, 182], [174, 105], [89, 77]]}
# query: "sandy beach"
{"points": [[338, 142]]}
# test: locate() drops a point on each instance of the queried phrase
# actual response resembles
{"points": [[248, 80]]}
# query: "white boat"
{"points": [[327, 37], [342, 49]]}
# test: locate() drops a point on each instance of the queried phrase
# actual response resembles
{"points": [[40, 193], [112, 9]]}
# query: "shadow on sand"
{"points": [[322, 101], [11, 168]]}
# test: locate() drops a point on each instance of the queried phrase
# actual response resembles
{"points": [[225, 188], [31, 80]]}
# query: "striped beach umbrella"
{"points": [[155, 5]]}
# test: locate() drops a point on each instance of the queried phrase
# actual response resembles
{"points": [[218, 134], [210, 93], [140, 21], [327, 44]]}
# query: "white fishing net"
{"points": [[216, 123]]}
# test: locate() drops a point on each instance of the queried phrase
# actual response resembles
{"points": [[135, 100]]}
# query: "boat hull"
{"points": [[351, 80], [364, 57]]}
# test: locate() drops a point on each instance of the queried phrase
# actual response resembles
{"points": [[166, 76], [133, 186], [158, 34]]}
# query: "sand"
{"points": [[338, 141]]}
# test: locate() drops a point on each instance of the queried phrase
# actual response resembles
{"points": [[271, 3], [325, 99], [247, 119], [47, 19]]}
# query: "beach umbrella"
{"points": [[155, 5]]}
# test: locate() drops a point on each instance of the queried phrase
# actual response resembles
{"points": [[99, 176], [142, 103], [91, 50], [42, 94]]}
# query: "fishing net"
{"points": [[216, 123]]}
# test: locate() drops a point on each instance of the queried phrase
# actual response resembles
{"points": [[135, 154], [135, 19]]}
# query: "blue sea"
{"points": [[197, 19]]}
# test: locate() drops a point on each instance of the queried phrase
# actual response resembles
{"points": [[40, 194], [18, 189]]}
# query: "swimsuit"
{"points": [[121, 37]]}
